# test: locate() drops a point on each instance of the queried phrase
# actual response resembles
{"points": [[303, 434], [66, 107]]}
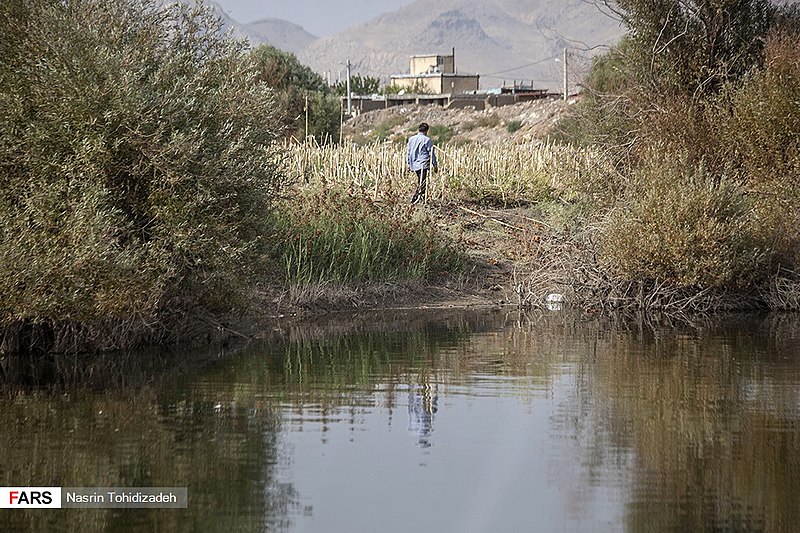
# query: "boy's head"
{"points": [[423, 128]]}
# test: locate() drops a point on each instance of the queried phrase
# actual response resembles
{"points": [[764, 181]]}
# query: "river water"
{"points": [[488, 421]]}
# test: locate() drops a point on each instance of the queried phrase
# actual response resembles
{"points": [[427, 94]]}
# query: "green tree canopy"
{"points": [[282, 70], [300, 93], [361, 85], [693, 46]]}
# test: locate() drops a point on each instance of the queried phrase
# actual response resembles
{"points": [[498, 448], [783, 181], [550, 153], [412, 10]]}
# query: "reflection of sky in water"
{"points": [[494, 465], [546, 425]]}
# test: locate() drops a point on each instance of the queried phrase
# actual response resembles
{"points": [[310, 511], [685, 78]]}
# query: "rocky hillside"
{"points": [[280, 34], [500, 39], [524, 122], [277, 32]]}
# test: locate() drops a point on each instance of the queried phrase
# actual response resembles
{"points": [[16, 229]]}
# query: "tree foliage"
{"points": [[693, 46], [301, 94], [137, 162], [680, 58], [698, 106], [282, 70], [418, 87], [360, 85]]}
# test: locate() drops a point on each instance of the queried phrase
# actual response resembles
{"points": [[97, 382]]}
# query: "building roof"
{"points": [[435, 75]]}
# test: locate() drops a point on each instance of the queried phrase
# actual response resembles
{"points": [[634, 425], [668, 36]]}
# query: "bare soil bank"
{"points": [[519, 123]]}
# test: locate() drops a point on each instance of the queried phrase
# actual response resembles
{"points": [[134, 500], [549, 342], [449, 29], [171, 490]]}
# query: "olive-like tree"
{"points": [[137, 168]]}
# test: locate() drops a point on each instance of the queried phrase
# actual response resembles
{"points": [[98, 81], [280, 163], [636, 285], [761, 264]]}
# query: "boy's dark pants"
{"points": [[422, 184]]}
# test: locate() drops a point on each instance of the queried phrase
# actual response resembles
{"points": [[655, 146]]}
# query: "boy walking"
{"points": [[421, 158]]}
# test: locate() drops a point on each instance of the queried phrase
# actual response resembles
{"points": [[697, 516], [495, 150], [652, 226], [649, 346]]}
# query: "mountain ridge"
{"points": [[280, 33], [501, 40], [493, 37]]}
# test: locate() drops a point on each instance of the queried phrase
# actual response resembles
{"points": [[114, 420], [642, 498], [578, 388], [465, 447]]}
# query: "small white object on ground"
{"points": [[555, 301]]}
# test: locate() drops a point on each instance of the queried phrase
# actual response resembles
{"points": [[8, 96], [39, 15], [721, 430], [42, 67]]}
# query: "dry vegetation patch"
{"points": [[519, 123]]}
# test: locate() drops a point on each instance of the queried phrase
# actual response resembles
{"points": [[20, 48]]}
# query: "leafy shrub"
{"points": [[324, 117], [136, 162], [513, 126], [761, 137], [385, 128], [681, 228], [440, 134], [762, 133], [330, 235], [305, 104], [747, 134], [487, 120], [707, 144]]}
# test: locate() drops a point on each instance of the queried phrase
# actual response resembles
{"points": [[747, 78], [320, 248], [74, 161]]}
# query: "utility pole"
{"points": [[306, 110], [566, 79], [349, 101]]}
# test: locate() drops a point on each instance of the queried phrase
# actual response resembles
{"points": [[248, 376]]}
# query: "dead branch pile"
{"points": [[568, 270]]}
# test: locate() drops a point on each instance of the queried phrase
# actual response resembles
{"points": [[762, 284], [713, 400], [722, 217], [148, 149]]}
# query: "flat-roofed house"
{"points": [[435, 74]]}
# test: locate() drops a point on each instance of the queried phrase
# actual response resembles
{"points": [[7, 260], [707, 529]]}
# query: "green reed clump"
{"points": [[513, 126], [330, 235], [385, 128], [441, 134]]}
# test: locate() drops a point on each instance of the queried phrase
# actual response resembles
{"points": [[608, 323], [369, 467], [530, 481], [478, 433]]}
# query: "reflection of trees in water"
{"points": [[346, 371], [705, 417], [338, 375], [223, 447], [101, 371], [712, 415], [167, 419]]}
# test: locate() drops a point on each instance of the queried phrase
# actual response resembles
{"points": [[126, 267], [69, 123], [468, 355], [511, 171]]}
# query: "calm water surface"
{"points": [[468, 422]]}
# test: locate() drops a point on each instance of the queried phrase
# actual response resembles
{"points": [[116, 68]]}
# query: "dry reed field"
{"points": [[491, 175], [506, 174], [533, 174]]}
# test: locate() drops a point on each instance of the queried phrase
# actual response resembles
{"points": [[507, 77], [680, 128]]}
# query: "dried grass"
{"points": [[519, 173]]}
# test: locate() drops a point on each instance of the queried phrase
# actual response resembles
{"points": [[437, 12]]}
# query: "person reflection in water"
{"points": [[421, 408]]}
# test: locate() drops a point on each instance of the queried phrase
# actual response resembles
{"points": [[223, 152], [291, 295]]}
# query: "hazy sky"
{"points": [[320, 17]]}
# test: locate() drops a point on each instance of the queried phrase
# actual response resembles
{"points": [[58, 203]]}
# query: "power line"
{"points": [[549, 80], [522, 66]]}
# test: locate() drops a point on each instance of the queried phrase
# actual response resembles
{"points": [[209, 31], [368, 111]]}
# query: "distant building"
{"points": [[435, 74]]}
